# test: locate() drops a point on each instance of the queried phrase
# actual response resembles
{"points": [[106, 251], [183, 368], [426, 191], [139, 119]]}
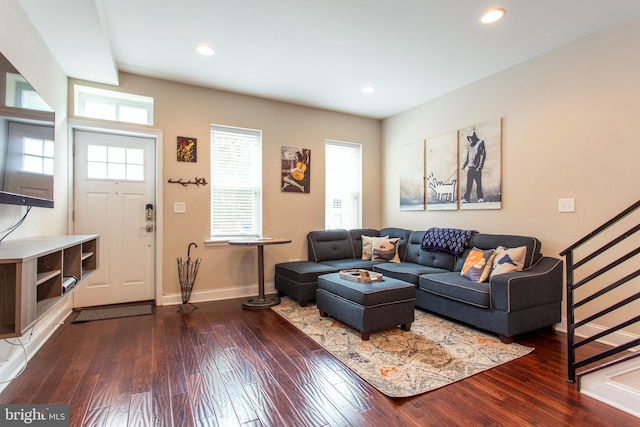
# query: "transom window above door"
{"points": [[115, 163]]}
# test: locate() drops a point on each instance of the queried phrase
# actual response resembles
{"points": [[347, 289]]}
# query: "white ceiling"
{"points": [[317, 53]]}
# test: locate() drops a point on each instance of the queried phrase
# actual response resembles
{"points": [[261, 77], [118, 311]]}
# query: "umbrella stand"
{"points": [[187, 272]]}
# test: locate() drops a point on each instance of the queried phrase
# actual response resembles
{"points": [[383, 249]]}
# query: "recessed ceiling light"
{"points": [[368, 89], [205, 49], [492, 15]]}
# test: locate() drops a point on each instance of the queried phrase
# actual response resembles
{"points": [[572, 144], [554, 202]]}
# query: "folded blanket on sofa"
{"points": [[451, 240]]}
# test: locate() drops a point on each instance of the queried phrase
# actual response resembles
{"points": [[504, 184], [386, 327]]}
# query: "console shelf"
{"points": [[32, 273]]}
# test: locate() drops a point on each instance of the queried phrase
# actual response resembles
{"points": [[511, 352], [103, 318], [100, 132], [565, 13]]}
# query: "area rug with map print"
{"points": [[434, 353]]}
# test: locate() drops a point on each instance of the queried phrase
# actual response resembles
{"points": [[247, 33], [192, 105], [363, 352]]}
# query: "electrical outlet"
{"points": [[566, 205]]}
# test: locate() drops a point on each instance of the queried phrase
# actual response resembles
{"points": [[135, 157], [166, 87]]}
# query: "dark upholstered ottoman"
{"points": [[367, 307], [299, 279]]}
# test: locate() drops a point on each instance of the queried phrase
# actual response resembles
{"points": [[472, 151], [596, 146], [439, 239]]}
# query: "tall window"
{"points": [[343, 189], [111, 105], [236, 182]]}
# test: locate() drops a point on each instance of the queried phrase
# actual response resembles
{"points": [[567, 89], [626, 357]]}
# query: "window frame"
{"points": [[356, 198], [83, 94], [255, 167]]}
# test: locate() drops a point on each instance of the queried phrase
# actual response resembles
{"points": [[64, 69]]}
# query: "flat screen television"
{"points": [[26, 142]]}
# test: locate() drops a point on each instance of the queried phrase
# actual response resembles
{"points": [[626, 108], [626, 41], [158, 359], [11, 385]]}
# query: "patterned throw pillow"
{"points": [[385, 249], [478, 264], [367, 248], [508, 260]]}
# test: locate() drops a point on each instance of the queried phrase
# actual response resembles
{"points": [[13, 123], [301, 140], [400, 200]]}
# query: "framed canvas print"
{"points": [[412, 177], [480, 165], [187, 149], [295, 170], [442, 172]]}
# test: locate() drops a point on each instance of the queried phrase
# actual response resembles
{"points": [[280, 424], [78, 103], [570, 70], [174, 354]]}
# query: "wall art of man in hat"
{"points": [[476, 156]]}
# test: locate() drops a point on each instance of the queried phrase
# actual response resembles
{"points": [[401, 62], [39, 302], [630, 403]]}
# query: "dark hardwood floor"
{"points": [[221, 365]]}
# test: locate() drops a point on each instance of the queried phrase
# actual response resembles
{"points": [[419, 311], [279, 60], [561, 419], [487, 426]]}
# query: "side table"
{"points": [[261, 301]]}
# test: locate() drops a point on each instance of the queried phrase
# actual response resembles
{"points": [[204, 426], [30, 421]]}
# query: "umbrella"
{"points": [[187, 271]]}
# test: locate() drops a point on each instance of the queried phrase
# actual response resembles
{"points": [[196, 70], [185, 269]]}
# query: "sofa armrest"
{"points": [[541, 284]]}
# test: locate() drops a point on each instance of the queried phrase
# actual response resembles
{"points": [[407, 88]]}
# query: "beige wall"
{"points": [[184, 110], [569, 125]]}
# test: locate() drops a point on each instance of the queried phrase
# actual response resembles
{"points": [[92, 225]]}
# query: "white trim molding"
{"points": [[590, 329], [217, 294], [617, 385]]}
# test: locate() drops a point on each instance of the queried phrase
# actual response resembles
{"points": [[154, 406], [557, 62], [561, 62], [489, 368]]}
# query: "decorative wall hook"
{"points": [[197, 181]]}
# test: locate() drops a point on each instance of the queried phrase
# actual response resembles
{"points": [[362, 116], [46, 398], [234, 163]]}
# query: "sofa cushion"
{"points": [[356, 239], [403, 234], [385, 249], [406, 271], [367, 246], [508, 259], [435, 259], [478, 264], [492, 241], [329, 245], [458, 288], [302, 271]]}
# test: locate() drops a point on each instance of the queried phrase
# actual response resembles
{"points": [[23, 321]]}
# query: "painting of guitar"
{"points": [[295, 170], [298, 172]]}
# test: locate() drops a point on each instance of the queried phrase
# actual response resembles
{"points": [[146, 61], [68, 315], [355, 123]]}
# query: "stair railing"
{"points": [[572, 305]]}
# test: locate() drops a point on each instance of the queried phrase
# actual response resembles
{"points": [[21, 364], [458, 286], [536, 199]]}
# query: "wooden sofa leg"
{"points": [[505, 339], [406, 327]]}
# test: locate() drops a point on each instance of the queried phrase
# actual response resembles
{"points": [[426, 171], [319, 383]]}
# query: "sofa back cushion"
{"points": [[329, 245], [403, 234], [429, 258], [492, 241], [356, 239]]}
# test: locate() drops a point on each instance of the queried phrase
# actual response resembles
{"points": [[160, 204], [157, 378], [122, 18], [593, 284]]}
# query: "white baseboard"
{"points": [[590, 329], [32, 340], [616, 385], [607, 384], [217, 294]]}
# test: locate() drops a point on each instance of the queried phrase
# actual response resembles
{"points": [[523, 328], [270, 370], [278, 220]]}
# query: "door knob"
{"points": [[148, 227]]}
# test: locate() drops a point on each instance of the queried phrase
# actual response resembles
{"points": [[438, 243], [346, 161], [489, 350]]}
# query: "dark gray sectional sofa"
{"points": [[507, 304]]}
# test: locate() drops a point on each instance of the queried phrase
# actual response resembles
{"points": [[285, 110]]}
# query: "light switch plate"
{"points": [[179, 207], [566, 205]]}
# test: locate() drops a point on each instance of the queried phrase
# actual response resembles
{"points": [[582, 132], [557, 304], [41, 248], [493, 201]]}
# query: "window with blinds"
{"points": [[343, 186], [236, 182]]}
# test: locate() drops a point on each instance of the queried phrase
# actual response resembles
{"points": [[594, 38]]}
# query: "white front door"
{"points": [[114, 197]]}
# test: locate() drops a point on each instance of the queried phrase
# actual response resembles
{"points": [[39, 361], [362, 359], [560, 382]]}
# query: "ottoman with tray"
{"points": [[367, 307]]}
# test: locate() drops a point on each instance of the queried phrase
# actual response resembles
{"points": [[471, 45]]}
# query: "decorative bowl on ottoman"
{"points": [[360, 275]]}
